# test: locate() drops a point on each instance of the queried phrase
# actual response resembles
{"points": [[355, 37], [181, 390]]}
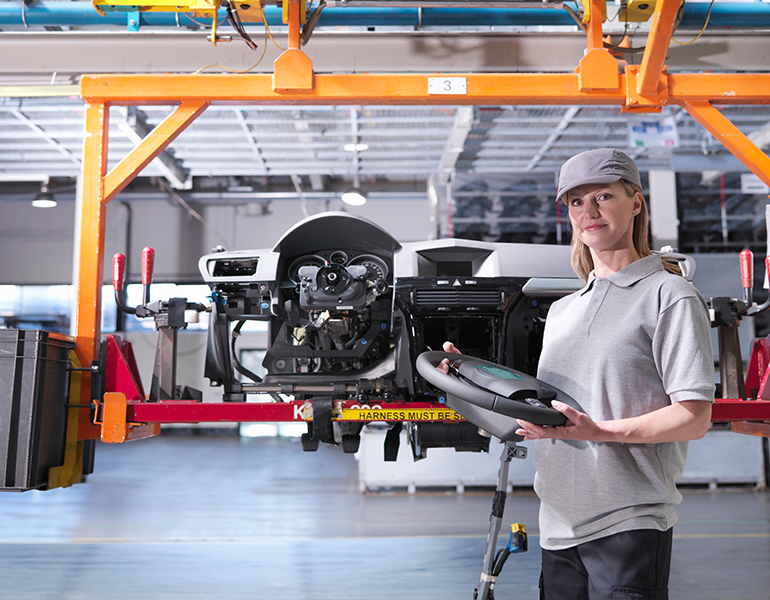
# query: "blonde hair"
{"points": [[583, 262]]}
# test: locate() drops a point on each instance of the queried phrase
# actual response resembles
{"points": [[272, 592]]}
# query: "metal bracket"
{"points": [[133, 21], [598, 70], [115, 427], [71, 471], [636, 102], [515, 451]]}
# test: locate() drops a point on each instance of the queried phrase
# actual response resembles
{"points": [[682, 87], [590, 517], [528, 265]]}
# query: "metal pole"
{"points": [[487, 581]]}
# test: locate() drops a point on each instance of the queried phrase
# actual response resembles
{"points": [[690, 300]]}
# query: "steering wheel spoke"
{"points": [[492, 396]]}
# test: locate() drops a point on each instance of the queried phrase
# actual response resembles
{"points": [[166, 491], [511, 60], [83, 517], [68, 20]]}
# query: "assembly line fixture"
{"points": [[599, 79]]}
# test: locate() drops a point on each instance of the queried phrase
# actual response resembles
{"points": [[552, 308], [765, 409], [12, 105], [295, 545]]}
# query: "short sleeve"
{"points": [[682, 350]]}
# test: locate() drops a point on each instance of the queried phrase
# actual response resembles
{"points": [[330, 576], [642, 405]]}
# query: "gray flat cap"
{"points": [[604, 165]]}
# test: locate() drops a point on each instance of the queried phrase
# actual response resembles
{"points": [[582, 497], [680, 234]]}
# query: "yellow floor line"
{"points": [[268, 539]]}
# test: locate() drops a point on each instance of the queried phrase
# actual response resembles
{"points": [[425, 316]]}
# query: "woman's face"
{"points": [[602, 215]]}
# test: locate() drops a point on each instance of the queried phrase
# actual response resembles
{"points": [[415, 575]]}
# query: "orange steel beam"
{"points": [[151, 146], [333, 89], [721, 88], [752, 428], [410, 88], [661, 30], [731, 138]]}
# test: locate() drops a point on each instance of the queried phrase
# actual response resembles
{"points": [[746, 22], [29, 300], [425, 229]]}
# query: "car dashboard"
{"points": [[349, 309]]}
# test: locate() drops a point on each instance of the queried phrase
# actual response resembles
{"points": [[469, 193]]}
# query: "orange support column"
{"points": [[658, 40], [293, 69], [91, 219], [97, 189], [594, 25], [598, 69]]}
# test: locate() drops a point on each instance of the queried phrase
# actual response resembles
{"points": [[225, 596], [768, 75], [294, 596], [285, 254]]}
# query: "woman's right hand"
{"points": [[443, 366]]}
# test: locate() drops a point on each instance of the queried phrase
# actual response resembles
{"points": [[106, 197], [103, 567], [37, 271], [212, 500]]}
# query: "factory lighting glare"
{"points": [[354, 197], [43, 203], [355, 147]]}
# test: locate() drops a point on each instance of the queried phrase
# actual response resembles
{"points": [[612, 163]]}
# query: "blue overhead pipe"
{"points": [[444, 17], [83, 14], [739, 15], [726, 15]]}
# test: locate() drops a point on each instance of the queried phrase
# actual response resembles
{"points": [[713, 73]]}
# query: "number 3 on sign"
{"points": [[455, 86]]}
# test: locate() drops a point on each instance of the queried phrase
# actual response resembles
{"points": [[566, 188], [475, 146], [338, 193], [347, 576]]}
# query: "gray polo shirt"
{"points": [[624, 345]]}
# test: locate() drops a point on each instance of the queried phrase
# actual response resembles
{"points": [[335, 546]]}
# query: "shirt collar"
{"points": [[628, 276]]}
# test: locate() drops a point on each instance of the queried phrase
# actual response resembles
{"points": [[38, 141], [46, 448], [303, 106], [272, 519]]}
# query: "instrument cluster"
{"points": [[377, 269]]}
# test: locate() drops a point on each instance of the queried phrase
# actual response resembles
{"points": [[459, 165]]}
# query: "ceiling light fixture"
{"points": [[44, 203], [45, 198], [357, 147], [354, 197]]}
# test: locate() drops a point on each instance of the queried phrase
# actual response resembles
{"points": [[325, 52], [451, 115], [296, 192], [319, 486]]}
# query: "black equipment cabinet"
{"points": [[34, 387]]}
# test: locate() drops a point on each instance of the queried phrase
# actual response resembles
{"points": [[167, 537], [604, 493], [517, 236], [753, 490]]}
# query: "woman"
{"points": [[633, 348]]}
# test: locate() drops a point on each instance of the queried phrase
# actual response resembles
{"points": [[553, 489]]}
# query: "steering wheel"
{"points": [[491, 396]]}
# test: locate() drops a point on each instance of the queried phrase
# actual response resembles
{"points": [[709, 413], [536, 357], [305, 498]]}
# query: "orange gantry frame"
{"points": [[599, 79]]}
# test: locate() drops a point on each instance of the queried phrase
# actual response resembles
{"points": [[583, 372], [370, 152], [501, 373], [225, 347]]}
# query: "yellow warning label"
{"points": [[421, 414]]}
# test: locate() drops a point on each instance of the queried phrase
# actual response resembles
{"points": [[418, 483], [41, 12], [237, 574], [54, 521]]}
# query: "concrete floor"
{"points": [[227, 518]]}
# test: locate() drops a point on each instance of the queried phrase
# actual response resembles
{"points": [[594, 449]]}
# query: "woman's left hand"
{"points": [[579, 426], [678, 422]]}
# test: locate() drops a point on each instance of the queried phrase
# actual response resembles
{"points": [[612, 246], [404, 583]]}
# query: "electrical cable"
{"points": [[497, 566], [583, 28], [24, 13], [616, 47], [238, 366], [575, 17], [235, 21], [267, 29], [708, 16], [204, 25], [251, 68], [309, 27], [190, 210], [625, 34], [236, 363], [500, 558]]}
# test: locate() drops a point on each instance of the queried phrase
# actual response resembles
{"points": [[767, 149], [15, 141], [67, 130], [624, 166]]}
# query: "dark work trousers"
{"points": [[632, 565]]}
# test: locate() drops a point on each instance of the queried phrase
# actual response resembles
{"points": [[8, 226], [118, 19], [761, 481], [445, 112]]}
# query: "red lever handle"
{"points": [[148, 265], [118, 271], [747, 269], [767, 267]]}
